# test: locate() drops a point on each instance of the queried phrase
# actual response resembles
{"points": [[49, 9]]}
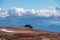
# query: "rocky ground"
{"points": [[26, 33]]}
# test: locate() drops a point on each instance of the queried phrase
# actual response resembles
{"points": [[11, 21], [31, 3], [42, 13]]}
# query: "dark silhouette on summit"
{"points": [[28, 26]]}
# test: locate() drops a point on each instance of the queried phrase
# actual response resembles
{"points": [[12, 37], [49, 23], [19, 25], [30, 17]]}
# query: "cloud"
{"points": [[45, 12], [54, 21], [47, 22], [3, 13], [17, 11]]}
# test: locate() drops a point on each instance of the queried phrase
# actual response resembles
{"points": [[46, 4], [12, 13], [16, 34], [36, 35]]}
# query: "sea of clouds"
{"points": [[44, 12]]}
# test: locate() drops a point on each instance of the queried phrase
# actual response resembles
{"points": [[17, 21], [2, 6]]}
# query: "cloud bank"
{"points": [[45, 12], [41, 17], [3, 13]]}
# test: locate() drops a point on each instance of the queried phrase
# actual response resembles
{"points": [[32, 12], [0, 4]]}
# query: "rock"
{"points": [[26, 33]]}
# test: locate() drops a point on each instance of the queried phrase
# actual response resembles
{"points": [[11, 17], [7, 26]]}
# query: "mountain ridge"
{"points": [[26, 33]]}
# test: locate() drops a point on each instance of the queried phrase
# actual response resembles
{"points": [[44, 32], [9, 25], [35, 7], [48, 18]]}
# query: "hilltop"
{"points": [[26, 32]]}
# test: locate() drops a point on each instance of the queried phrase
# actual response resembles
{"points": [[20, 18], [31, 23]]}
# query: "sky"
{"points": [[41, 14], [29, 4]]}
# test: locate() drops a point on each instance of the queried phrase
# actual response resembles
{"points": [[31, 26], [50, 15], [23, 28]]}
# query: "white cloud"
{"points": [[17, 11], [45, 12], [49, 22], [3, 13], [48, 12], [54, 21], [33, 11], [0, 8]]}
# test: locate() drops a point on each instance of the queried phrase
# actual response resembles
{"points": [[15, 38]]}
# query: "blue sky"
{"points": [[29, 4], [41, 14]]}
